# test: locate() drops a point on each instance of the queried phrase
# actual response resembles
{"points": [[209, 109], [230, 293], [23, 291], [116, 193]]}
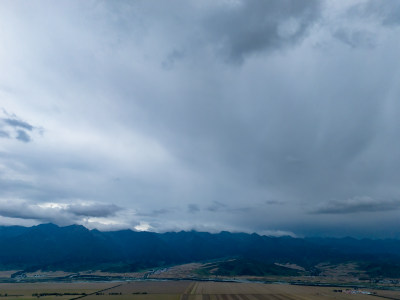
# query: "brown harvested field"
{"points": [[258, 291], [146, 290], [56, 286], [390, 294], [181, 290], [135, 297], [24, 291], [153, 287], [186, 290]]}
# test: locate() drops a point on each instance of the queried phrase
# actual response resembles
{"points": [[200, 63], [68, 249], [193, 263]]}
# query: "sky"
{"points": [[279, 117]]}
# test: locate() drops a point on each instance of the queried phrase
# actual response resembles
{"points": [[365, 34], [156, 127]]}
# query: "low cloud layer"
{"points": [[60, 213], [93, 210], [257, 116], [357, 205]]}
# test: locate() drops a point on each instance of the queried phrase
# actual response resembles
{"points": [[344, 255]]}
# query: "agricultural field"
{"points": [[181, 290], [50, 290]]}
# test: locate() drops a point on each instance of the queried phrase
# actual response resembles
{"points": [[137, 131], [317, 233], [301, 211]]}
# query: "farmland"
{"points": [[181, 290], [50, 290]]}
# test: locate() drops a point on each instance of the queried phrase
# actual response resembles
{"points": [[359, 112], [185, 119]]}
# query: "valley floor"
{"points": [[182, 290]]}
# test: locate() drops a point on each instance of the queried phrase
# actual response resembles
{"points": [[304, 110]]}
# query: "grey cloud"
{"points": [[356, 38], [12, 127], [387, 12], [18, 123], [302, 125], [253, 26], [274, 202], [19, 211], [4, 134], [93, 210], [172, 58], [60, 214], [222, 207], [193, 208], [23, 136], [155, 212], [24, 210], [160, 211], [357, 205], [217, 206]]}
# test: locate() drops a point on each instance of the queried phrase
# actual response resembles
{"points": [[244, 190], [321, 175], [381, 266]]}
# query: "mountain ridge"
{"points": [[74, 247]]}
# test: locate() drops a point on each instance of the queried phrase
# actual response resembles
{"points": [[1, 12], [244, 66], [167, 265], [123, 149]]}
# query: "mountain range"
{"points": [[71, 248]]}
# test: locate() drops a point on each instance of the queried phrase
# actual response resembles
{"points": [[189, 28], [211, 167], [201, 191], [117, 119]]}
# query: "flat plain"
{"points": [[50, 290], [181, 290]]}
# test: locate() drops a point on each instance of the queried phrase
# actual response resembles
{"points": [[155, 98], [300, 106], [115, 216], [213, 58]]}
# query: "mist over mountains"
{"points": [[50, 247]]}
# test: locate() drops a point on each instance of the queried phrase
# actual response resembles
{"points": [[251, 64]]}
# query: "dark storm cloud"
{"points": [[142, 91], [357, 205], [93, 210], [255, 26]]}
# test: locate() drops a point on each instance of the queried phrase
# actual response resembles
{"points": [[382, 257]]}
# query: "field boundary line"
{"points": [[194, 288], [106, 289]]}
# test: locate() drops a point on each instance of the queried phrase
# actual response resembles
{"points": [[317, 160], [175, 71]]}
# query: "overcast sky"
{"points": [[276, 117]]}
